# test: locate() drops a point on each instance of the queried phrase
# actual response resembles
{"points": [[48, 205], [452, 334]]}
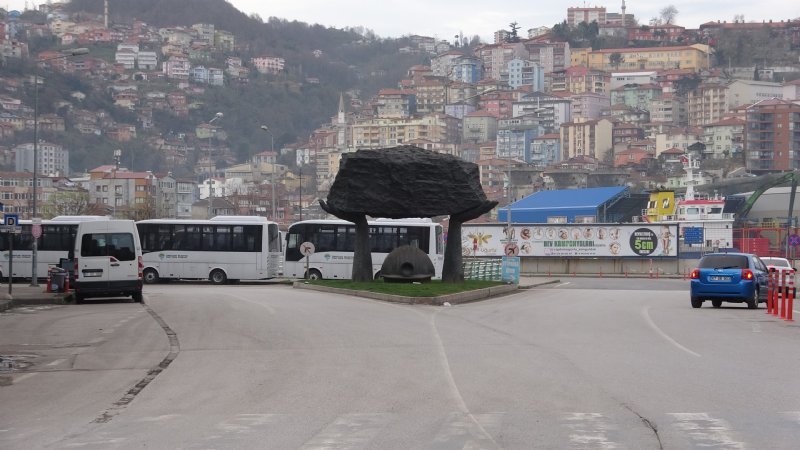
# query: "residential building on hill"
{"points": [[591, 138], [771, 136], [53, 159], [695, 57]]}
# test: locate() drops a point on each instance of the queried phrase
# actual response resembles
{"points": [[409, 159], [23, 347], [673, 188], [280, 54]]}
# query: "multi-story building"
{"points": [[395, 103], [177, 67], [546, 150], [707, 104], [479, 127], [268, 64], [51, 158], [431, 94], [772, 136], [636, 95], [724, 139], [224, 40], [552, 56], [147, 60], [515, 136], [666, 32], [442, 65], [467, 69], [385, 132], [591, 138], [495, 57], [17, 196], [586, 14], [669, 109], [589, 105], [579, 79], [185, 195], [126, 58], [626, 132], [552, 110], [619, 79], [744, 92], [525, 73], [681, 138], [122, 193], [497, 103], [695, 57]]}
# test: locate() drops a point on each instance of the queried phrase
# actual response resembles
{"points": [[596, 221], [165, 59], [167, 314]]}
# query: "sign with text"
{"points": [[571, 240], [510, 269], [693, 235]]}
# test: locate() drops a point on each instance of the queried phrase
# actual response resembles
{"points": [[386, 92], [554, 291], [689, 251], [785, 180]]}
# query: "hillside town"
{"points": [[533, 112]]}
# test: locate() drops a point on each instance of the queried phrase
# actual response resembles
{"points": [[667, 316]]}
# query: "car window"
{"points": [[759, 264], [724, 262]]}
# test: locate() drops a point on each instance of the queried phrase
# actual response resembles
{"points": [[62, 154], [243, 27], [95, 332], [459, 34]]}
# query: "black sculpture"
{"points": [[403, 182]]}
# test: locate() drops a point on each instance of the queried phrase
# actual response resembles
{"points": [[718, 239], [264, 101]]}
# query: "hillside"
{"points": [[289, 103]]}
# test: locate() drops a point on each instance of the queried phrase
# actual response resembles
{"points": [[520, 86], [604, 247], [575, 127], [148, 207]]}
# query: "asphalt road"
{"points": [[581, 364]]}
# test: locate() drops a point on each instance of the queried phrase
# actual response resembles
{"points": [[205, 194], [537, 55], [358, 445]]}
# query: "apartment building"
{"points": [[515, 136], [479, 127], [724, 139], [268, 64], [772, 136], [669, 109], [586, 14], [525, 73], [385, 132], [52, 159], [396, 103], [579, 79], [17, 196], [546, 150], [636, 95], [707, 104], [552, 110], [589, 105], [591, 138], [695, 57]]}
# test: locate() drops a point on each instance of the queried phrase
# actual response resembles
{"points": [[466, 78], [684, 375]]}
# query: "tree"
{"points": [[68, 203], [616, 60], [668, 14], [512, 35]]}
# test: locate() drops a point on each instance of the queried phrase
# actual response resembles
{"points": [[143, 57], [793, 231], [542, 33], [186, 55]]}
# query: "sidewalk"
{"points": [[22, 293]]}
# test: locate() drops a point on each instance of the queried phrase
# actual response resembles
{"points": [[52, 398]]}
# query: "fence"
{"points": [[486, 269], [768, 241]]}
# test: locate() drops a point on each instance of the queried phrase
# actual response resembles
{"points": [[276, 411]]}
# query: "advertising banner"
{"points": [[570, 240]]}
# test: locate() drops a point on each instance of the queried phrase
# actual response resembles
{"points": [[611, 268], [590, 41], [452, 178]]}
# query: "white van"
{"points": [[108, 260]]}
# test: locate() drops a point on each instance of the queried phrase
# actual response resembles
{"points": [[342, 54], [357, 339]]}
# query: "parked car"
{"points": [[785, 272], [729, 277]]}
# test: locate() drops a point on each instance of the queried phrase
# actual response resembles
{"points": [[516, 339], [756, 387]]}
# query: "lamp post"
{"points": [[210, 171], [275, 160], [300, 200], [35, 245]]}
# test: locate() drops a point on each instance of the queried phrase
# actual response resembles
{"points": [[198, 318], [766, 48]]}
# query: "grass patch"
{"points": [[432, 289]]}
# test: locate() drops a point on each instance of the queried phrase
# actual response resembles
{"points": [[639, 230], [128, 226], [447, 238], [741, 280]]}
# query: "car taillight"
{"points": [[747, 274], [695, 274], [75, 268], [141, 267]]}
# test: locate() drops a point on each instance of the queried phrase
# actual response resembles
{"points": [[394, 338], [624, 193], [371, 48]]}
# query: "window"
{"points": [[116, 245]]}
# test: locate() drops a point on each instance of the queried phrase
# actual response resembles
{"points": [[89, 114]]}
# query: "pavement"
{"points": [[22, 293]]}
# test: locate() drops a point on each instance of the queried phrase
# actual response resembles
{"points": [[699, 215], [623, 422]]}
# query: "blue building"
{"points": [[592, 205]]}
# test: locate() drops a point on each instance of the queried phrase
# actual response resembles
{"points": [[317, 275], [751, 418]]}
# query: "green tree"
{"points": [[616, 59]]}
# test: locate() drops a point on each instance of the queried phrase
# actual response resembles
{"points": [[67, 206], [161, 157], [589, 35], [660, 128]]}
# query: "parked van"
{"points": [[108, 260]]}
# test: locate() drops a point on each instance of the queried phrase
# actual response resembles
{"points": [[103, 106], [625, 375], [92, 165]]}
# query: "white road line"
{"points": [[460, 431], [589, 430], [22, 377], [707, 431], [646, 314], [56, 362], [794, 416], [563, 284], [349, 431]]}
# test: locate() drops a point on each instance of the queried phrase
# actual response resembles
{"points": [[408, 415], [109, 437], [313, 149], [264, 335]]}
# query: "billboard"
{"points": [[571, 240]]}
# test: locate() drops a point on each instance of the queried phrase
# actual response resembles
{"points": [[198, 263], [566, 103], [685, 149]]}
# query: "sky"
{"points": [[444, 19]]}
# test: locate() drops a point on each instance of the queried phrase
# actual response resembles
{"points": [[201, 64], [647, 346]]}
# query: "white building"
{"points": [[52, 158]]}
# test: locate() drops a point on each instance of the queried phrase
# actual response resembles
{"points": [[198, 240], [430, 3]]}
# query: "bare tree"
{"points": [[68, 203], [668, 14]]}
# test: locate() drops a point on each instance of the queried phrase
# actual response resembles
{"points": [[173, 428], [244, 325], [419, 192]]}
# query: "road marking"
{"points": [[589, 430], [451, 380], [56, 362], [22, 377], [646, 314], [706, 431], [461, 431], [794, 416], [563, 284], [349, 431]]}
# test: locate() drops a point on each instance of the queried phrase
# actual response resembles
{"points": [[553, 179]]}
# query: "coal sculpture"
{"points": [[402, 182], [407, 264]]}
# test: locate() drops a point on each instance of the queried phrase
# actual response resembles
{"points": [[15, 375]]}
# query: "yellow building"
{"points": [[660, 205], [694, 57]]}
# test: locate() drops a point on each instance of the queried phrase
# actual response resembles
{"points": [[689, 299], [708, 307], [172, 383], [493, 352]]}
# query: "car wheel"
{"points": [[79, 298], [752, 302], [150, 276], [217, 276], [697, 302], [314, 274], [716, 303]]}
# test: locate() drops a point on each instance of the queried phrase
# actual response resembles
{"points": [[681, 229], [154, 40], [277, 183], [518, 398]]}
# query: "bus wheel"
{"points": [[314, 274], [217, 277], [150, 276]]}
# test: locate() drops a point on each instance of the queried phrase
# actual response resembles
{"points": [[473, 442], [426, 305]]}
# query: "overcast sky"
{"points": [[446, 18]]}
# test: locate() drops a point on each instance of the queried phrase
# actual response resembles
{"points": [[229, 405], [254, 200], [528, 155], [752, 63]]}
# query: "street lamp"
{"points": [[272, 178], [35, 245], [210, 172]]}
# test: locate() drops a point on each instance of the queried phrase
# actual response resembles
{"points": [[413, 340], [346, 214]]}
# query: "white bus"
{"points": [[222, 249], [57, 242], [334, 243]]}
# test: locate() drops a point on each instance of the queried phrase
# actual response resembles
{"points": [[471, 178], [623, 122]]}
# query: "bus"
{"points": [[222, 249], [334, 243], [56, 242]]}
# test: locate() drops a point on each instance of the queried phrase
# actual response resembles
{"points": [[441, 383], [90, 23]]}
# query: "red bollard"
{"points": [[783, 295], [601, 273], [626, 274], [770, 290], [791, 298]]}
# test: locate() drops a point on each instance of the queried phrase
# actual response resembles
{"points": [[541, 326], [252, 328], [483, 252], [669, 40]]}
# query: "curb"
{"points": [[453, 299]]}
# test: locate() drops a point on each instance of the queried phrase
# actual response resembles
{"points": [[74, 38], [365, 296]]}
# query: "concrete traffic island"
{"points": [[24, 294], [452, 299]]}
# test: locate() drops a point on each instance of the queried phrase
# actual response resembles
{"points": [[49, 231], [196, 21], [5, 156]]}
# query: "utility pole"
{"points": [[210, 169]]}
